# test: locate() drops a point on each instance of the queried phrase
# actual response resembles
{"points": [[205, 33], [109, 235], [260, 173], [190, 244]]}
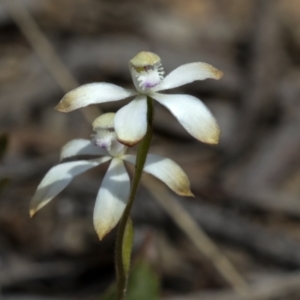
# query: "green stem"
{"points": [[123, 247]]}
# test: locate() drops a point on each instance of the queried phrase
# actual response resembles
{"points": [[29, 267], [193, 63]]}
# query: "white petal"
{"points": [[80, 147], [57, 179], [92, 93], [167, 171], [112, 198], [193, 115], [131, 121], [188, 73]]}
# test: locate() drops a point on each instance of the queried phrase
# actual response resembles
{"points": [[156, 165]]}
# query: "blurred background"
{"points": [[246, 244]]}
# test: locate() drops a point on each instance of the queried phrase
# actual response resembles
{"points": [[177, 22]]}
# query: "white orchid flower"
{"points": [[148, 77], [114, 191]]}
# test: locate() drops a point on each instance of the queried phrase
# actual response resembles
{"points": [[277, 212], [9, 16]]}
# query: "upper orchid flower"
{"points": [[114, 191], [148, 77]]}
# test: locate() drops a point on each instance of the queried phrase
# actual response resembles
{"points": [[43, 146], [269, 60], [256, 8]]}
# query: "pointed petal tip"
{"points": [[33, 210], [213, 142], [214, 137], [211, 136], [101, 236], [187, 193], [32, 213], [215, 73], [102, 231], [184, 187], [64, 105], [190, 194], [219, 74]]}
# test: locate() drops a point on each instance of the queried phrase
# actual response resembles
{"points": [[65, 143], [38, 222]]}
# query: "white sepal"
{"points": [[131, 121], [92, 93], [188, 73], [57, 179], [193, 115], [112, 198], [80, 147], [167, 171]]}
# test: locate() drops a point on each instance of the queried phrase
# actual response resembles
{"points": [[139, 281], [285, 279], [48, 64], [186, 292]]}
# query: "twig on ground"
{"points": [[45, 51], [267, 289], [199, 238]]}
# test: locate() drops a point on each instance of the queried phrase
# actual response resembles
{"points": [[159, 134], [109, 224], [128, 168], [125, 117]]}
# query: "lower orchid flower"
{"points": [[148, 77], [114, 191]]}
